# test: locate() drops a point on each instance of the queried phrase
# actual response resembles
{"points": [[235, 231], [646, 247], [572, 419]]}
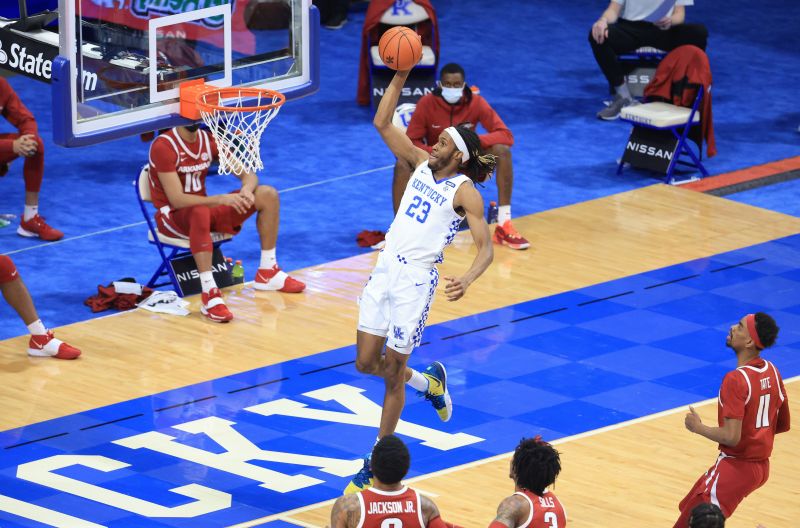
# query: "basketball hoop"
{"points": [[237, 117]]}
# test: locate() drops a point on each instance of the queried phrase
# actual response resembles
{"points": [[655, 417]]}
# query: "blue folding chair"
{"points": [[168, 247], [677, 119]]}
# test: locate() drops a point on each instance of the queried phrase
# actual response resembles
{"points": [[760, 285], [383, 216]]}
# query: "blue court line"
{"points": [[266, 441]]}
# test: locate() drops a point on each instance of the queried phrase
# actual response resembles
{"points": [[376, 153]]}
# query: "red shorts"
{"points": [[725, 484], [8, 272], [224, 219]]}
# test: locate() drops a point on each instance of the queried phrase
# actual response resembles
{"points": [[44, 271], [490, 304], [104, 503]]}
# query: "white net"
{"points": [[237, 117]]}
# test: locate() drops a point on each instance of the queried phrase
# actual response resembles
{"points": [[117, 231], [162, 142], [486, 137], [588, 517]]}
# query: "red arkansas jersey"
{"points": [[170, 153], [397, 509], [546, 511], [754, 394]]}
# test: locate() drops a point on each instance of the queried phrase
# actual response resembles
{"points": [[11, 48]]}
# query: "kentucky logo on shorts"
{"points": [[398, 334]]}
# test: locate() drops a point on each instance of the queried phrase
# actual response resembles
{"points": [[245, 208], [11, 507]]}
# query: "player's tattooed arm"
{"points": [[346, 512], [511, 511], [429, 509]]}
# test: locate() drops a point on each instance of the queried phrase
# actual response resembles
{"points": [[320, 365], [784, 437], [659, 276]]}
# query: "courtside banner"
{"points": [[21, 54], [418, 84], [188, 277], [650, 149]]}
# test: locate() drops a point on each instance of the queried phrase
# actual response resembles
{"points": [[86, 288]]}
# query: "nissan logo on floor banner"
{"points": [[651, 149], [189, 278]]}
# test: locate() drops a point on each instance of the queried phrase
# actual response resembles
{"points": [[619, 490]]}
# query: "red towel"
{"points": [[107, 298]]}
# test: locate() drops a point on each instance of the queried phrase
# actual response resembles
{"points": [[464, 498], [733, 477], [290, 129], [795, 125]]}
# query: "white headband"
{"points": [[459, 141]]}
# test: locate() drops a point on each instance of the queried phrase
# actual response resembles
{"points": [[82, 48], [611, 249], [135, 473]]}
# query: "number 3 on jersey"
{"points": [[193, 183], [552, 518], [423, 214]]}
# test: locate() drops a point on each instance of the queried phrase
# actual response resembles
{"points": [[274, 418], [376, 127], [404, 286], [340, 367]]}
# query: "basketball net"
{"points": [[238, 117]]}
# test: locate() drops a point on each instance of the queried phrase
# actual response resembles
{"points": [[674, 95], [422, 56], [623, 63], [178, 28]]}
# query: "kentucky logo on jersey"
{"points": [[428, 191]]}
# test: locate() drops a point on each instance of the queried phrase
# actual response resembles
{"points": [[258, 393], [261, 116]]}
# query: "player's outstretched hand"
{"points": [[456, 288], [235, 200], [692, 420]]}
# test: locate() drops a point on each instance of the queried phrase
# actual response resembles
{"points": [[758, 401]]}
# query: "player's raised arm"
{"points": [[468, 198], [397, 141]]}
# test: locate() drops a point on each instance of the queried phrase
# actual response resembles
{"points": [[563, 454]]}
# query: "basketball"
{"points": [[400, 48]]}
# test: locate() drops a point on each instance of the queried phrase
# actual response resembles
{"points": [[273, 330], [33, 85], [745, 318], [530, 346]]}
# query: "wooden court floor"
{"points": [[137, 353]]}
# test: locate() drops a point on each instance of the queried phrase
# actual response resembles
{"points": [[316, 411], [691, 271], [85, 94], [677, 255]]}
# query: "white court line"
{"points": [[87, 235], [476, 463], [120, 228]]}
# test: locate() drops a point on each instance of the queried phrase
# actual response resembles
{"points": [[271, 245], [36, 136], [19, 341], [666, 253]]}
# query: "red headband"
{"points": [[750, 320]]}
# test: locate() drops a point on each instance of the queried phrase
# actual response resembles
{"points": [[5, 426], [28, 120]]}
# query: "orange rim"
{"points": [[243, 93]]}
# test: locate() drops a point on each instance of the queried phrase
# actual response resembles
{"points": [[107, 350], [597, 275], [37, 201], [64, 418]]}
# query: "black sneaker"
{"points": [[612, 111], [335, 22]]}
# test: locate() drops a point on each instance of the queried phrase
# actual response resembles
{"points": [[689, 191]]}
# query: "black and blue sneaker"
{"points": [[437, 392], [362, 480]]}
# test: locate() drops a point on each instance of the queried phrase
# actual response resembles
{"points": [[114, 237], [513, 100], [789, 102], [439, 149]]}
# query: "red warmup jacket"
{"points": [[686, 64], [17, 114], [375, 11], [433, 114]]}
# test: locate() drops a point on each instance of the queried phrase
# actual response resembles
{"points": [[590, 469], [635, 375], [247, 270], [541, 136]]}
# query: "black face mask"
{"points": [[192, 128]]}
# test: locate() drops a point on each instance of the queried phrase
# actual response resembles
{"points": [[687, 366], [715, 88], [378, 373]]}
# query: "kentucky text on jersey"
{"points": [[428, 191], [383, 508]]}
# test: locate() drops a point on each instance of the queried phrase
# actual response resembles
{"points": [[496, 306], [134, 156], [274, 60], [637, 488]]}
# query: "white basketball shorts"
{"points": [[396, 301]]}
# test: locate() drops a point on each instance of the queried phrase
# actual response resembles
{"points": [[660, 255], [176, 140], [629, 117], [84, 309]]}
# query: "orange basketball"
{"points": [[400, 48]]}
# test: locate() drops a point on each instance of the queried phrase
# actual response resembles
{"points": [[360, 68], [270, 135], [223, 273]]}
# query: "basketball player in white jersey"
{"points": [[396, 300]]}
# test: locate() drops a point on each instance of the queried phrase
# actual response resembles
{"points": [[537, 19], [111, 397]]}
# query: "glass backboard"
{"points": [[127, 58]]}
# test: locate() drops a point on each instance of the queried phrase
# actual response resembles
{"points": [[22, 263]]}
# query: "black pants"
{"points": [[625, 36], [331, 10]]}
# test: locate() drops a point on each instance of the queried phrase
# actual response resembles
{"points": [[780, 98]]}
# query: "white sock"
{"points": [[268, 258], [623, 91], [207, 281], [30, 212], [418, 381], [37, 328], [503, 214]]}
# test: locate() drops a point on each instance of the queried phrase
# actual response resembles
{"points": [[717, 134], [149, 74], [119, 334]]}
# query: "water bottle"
{"points": [[5, 219], [238, 273], [491, 213]]}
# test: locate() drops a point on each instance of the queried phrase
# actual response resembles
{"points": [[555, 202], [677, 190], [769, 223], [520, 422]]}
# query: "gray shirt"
{"points": [[649, 10]]}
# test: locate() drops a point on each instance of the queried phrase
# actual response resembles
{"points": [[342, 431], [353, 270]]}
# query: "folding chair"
{"points": [[639, 66], [677, 119], [168, 247], [404, 13]]}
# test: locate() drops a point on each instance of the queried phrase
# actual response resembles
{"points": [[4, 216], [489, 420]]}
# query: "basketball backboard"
{"points": [[126, 59]]}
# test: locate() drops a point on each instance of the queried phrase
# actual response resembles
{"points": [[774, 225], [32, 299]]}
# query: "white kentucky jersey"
{"points": [[426, 222]]}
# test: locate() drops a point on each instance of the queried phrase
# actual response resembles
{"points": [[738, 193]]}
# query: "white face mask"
{"points": [[452, 95]]}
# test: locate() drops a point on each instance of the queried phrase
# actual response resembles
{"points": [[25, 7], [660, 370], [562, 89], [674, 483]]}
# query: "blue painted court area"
{"points": [[266, 441], [783, 197], [535, 68]]}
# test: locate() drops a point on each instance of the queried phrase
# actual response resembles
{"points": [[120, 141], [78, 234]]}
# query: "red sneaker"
{"points": [[37, 227], [46, 345], [213, 306], [275, 279], [508, 236]]}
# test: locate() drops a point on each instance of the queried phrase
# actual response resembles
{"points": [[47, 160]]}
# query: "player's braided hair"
{"points": [[706, 515], [535, 465], [480, 164], [766, 329], [390, 460]]}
